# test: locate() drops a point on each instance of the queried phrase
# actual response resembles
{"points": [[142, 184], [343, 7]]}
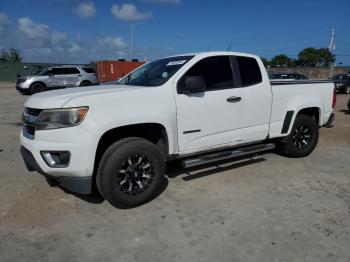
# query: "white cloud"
{"points": [[31, 29], [129, 12], [74, 48], [85, 10], [163, 1], [39, 42], [112, 42], [58, 38], [39, 35]]}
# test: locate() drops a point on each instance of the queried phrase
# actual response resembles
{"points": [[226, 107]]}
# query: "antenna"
{"points": [[229, 47]]}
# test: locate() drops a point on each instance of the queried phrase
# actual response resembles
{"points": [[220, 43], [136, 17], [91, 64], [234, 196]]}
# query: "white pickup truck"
{"points": [[198, 108]]}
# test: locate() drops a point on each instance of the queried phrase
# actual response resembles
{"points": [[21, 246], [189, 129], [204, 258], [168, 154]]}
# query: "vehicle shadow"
{"points": [[346, 112], [93, 198], [173, 170]]}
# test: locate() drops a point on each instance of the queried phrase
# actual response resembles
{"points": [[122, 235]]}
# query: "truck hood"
{"points": [[58, 98]]}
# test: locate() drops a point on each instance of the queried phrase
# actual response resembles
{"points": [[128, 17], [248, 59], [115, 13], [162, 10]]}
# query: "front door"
{"points": [[72, 76], [212, 118], [57, 78]]}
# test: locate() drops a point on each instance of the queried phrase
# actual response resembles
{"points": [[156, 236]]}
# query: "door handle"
{"points": [[234, 99]]}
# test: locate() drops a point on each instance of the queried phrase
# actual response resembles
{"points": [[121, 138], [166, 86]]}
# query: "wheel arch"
{"points": [[153, 132], [38, 82], [85, 81], [314, 112], [291, 115]]}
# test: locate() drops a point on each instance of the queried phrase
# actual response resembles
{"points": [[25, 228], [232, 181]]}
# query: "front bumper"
{"points": [[22, 88], [81, 185], [77, 141]]}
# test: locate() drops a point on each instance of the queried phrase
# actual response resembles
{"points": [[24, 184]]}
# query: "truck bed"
{"points": [[290, 96]]}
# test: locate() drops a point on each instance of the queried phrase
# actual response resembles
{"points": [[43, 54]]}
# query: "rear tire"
{"points": [[37, 88], [131, 172], [303, 138]]}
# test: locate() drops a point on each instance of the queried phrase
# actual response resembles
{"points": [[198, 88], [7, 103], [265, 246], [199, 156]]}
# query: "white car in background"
{"points": [[56, 78]]}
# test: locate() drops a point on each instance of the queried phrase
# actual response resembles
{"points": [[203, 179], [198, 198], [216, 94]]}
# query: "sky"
{"points": [[80, 31]]}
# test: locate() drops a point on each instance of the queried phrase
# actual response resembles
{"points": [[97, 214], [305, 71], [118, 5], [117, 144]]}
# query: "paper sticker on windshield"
{"points": [[179, 62]]}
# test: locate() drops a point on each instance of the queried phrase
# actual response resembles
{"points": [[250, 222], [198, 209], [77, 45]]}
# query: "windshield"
{"points": [[338, 77], [44, 72], [155, 73]]}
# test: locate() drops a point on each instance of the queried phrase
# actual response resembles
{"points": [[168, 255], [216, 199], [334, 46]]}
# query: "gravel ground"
{"points": [[268, 208]]}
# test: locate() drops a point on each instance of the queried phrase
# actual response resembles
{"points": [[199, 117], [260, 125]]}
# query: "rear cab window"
{"points": [[249, 71]]}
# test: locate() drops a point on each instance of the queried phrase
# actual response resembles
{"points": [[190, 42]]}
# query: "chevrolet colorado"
{"points": [[199, 108]]}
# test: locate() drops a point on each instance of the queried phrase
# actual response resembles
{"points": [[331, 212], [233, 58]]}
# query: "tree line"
{"points": [[308, 57], [10, 55]]}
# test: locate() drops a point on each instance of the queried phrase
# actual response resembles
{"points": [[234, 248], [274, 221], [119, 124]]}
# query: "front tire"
{"points": [[37, 88], [131, 172], [347, 90], [303, 137]]}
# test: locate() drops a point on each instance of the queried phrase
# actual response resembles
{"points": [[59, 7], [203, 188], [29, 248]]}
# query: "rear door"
{"points": [[258, 99], [214, 117]]}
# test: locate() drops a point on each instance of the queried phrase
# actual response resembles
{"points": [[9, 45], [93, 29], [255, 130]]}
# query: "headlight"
{"points": [[60, 118]]}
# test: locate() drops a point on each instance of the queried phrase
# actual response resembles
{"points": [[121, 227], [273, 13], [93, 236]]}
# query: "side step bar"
{"points": [[204, 159]]}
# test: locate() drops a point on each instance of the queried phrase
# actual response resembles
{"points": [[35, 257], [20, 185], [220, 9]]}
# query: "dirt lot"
{"points": [[268, 208]]}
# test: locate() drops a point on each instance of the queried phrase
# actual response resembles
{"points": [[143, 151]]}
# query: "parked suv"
{"points": [[342, 83], [57, 77]]}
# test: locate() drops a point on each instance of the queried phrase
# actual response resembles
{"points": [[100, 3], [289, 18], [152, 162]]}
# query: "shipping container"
{"points": [[113, 70]]}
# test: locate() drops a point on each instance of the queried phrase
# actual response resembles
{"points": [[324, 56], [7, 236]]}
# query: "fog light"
{"points": [[56, 159]]}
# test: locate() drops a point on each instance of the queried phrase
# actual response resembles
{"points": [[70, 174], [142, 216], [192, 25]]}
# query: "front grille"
{"points": [[30, 118]]}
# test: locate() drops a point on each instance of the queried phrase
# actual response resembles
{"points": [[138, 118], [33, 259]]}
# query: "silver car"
{"points": [[57, 77]]}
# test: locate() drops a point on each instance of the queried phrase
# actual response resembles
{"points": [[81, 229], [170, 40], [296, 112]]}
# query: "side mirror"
{"points": [[192, 84]]}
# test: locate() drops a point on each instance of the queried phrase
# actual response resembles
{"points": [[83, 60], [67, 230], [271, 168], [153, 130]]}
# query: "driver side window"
{"points": [[216, 71]]}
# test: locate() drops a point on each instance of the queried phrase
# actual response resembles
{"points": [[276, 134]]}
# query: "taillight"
{"points": [[334, 102]]}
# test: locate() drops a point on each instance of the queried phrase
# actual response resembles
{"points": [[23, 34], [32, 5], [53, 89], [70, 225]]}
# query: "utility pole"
{"points": [[131, 38], [55, 55], [131, 33], [331, 48]]}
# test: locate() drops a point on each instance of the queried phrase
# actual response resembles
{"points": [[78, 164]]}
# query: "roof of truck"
{"points": [[214, 53]]}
